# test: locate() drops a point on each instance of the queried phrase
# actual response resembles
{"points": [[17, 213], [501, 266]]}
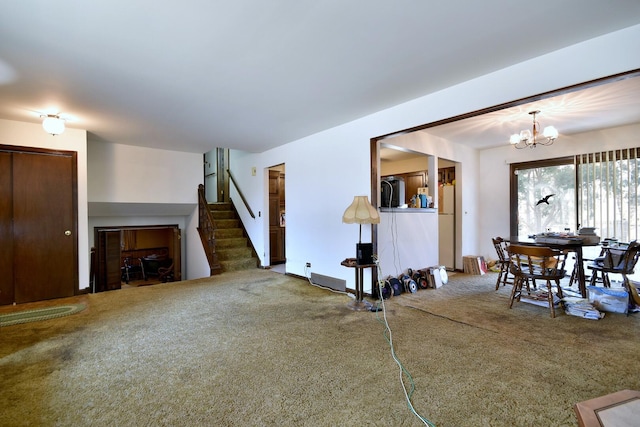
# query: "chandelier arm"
{"points": [[530, 138]]}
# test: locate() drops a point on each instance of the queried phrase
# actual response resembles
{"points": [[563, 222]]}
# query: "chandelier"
{"points": [[531, 138]]}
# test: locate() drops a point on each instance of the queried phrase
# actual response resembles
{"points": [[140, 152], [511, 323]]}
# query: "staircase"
{"points": [[232, 246]]}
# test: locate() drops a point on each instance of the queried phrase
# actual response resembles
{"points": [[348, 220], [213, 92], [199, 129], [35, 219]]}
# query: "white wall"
{"points": [[325, 170], [124, 173], [143, 186], [32, 135], [406, 240]]}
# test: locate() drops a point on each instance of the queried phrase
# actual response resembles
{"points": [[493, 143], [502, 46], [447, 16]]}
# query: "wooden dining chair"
{"points": [[530, 263], [614, 260], [504, 275]]}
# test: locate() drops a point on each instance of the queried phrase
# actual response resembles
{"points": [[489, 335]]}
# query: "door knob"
{"points": [[67, 233]]}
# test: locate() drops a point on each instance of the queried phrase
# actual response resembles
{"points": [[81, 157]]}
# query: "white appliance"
{"points": [[446, 226]]}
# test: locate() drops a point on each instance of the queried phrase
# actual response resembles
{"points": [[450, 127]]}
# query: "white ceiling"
{"points": [[603, 106], [254, 74]]}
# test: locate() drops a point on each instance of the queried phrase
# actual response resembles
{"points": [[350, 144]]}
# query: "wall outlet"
{"points": [[308, 265]]}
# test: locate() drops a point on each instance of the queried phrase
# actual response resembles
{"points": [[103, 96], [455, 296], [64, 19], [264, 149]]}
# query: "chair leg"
{"points": [[502, 275], [550, 297], [594, 278], [574, 275], [560, 294], [516, 291], [529, 284], [499, 279]]}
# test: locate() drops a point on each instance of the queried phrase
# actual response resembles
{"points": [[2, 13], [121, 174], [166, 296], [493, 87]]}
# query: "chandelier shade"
{"points": [[53, 124], [532, 138]]}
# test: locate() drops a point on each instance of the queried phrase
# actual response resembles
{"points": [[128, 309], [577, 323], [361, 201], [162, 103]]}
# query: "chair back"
{"points": [[537, 262], [622, 260], [501, 249]]}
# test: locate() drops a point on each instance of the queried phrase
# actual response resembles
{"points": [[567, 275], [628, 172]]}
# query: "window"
{"points": [[591, 190], [608, 196], [544, 197]]}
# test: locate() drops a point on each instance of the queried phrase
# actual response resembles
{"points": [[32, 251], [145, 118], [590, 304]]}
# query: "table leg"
{"points": [[581, 279], [359, 304]]}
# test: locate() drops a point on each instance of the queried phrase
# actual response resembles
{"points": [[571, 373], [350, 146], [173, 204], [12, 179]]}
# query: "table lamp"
{"points": [[361, 212]]}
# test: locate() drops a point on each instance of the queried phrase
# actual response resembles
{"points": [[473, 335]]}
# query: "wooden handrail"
{"points": [[241, 195], [206, 229]]}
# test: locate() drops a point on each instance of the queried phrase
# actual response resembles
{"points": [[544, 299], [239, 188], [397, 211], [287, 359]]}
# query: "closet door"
{"points": [[44, 226], [6, 234]]}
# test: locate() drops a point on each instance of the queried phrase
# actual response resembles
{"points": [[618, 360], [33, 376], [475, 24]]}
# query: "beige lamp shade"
{"points": [[361, 212]]}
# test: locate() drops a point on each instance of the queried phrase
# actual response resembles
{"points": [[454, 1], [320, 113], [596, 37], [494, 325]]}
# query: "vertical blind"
{"points": [[608, 186]]}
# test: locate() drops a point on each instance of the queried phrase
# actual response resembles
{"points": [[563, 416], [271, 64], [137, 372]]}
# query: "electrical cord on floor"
{"points": [[308, 276], [388, 336]]}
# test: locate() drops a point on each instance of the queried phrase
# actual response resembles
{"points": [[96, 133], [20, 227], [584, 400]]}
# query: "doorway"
{"points": [[447, 218], [277, 218], [422, 173], [216, 180], [149, 254]]}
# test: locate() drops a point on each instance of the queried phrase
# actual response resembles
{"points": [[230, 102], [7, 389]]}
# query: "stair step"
{"points": [[222, 206], [227, 233], [218, 215], [237, 265], [227, 223], [233, 242], [228, 254]]}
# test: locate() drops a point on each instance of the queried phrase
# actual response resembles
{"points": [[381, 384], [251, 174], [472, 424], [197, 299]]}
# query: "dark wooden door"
{"points": [[7, 289], [42, 233], [276, 223]]}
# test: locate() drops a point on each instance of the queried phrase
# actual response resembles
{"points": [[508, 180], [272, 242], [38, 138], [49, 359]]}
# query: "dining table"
{"points": [[573, 244]]}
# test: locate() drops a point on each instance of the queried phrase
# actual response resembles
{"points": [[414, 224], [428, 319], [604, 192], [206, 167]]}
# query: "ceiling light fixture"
{"points": [[529, 138], [53, 124]]}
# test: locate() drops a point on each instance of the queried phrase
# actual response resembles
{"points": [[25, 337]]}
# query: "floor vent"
{"points": [[329, 282]]}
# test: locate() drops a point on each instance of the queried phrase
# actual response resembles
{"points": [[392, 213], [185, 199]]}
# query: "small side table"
{"points": [[619, 409], [359, 304]]}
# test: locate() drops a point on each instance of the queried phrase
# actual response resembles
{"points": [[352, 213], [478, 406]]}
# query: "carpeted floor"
{"points": [[258, 348]]}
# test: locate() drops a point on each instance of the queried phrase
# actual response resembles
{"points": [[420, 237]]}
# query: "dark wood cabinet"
{"points": [[446, 175], [413, 181]]}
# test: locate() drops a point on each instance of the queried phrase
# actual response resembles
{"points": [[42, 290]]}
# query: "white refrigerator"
{"points": [[446, 226]]}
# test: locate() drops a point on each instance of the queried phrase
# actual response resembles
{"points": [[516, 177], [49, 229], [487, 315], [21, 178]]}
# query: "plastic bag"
{"points": [[612, 300]]}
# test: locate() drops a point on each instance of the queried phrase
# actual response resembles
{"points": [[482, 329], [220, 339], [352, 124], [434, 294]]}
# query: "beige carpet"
{"points": [[257, 348]]}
